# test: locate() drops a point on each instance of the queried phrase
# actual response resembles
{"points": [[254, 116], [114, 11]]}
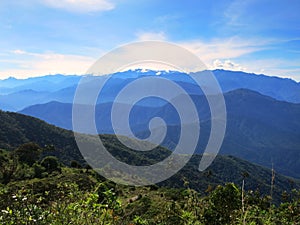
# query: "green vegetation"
{"points": [[37, 186], [17, 129], [47, 192]]}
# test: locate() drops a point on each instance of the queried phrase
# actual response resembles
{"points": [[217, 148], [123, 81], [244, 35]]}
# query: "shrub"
{"points": [[51, 164]]}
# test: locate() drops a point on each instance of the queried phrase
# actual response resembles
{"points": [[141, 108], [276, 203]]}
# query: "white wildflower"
{"points": [[4, 211]]}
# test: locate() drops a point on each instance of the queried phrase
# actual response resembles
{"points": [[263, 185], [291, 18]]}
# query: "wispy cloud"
{"points": [[222, 49], [235, 11], [234, 54], [151, 36], [216, 49], [25, 64], [80, 6], [262, 15], [274, 67], [167, 18]]}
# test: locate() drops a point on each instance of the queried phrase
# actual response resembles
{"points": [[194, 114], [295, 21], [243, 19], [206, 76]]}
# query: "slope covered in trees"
{"points": [[61, 143], [259, 128], [61, 195]]}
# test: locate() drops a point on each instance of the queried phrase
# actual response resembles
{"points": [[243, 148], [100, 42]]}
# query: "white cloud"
{"points": [[223, 54], [216, 54], [270, 67], [229, 48], [28, 64], [18, 52], [80, 6], [227, 65], [235, 10], [274, 67], [151, 36], [167, 19]]}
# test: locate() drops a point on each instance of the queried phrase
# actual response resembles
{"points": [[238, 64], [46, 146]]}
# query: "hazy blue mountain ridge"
{"points": [[260, 129], [62, 88]]}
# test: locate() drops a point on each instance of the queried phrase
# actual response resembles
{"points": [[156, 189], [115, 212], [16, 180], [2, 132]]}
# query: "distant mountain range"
{"points": [[260, 129], [278, 88], [17, 94], [262, 112]]}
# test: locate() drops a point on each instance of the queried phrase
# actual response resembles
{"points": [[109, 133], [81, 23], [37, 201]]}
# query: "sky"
{"points": [[40, 37]]}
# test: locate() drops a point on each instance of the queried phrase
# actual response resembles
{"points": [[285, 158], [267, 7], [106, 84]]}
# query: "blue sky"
{"points": [[40, 37]]}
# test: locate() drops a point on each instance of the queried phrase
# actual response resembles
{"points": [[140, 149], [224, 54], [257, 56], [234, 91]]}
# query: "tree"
{"points": [[8, 168], [222, 204], [75, 164], [38, 170], [28, 153], [51, 164]]}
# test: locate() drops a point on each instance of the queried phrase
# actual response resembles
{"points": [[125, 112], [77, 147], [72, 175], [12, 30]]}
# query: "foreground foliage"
{"points": [[39, 189], [80, 197]]}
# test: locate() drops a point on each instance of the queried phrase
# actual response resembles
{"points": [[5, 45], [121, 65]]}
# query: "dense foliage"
{"points": [[38, 187], [47, 192], [67, 199]]}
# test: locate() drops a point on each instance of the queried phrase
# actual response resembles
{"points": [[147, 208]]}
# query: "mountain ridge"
{"points": [[17, 129], [62, 88], [255, 123]]}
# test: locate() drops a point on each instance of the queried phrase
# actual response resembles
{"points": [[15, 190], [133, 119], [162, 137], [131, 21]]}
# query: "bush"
{"points": [[38, 170], [51, 164], [28, 153], [222, 204], [75, 164]]}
